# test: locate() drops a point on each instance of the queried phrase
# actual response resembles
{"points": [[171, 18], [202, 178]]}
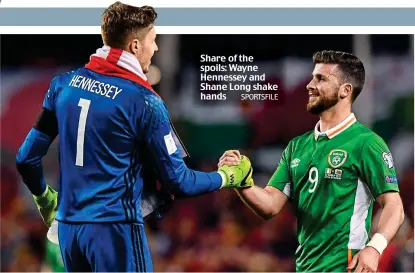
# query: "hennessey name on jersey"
{"points": [[94, 86]]}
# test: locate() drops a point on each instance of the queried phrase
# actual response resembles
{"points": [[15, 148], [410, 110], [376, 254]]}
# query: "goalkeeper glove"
{"points": [[238, 176], [47, 204]]}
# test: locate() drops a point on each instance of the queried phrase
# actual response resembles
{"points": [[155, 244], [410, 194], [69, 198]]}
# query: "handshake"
{"points": [[236, 170]]}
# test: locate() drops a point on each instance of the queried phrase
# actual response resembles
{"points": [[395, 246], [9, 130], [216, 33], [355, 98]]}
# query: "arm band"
{"points": [[47, 123], [378, 242]]}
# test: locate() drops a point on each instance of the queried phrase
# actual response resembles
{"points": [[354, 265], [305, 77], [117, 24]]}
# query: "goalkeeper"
{"points": [[115, 136], [333, 175]]}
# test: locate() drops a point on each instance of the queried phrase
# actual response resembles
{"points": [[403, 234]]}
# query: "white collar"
{"points": [[342, 126], [125, 60]]}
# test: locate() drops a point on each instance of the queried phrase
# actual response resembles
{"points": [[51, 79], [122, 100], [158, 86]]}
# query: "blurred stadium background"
{"points": [[215, 232]]}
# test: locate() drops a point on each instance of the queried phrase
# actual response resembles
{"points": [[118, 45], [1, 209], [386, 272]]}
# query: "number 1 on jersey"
{"points": [[313, 173], [84, 104]]}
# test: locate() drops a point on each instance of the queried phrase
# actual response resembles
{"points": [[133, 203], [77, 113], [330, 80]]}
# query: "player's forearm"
{"points": [[173, 170], [197, 182], [191, 182], [391, 219], [260, 201], [29, 161]]}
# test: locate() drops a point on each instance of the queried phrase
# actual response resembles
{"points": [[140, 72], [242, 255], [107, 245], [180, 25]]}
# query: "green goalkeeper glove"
{"points": [[238, 176], [47, 204]]}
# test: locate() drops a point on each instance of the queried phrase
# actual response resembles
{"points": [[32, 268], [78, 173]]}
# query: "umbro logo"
{"points": [[295, 162]]}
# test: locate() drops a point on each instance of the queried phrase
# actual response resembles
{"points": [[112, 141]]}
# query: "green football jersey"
{"points": [[333, 178]]}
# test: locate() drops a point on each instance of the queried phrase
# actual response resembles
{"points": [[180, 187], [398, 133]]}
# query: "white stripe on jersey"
{"points": [[358, 235]]}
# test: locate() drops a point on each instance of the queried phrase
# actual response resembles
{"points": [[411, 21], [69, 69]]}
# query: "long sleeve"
{"points": [[29, 160], [35, 146]]}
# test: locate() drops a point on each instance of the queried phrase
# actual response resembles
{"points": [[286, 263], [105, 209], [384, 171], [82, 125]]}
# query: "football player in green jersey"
{"points": [[333, 175]]}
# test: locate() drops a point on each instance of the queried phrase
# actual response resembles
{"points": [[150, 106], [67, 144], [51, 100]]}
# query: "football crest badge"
{"points": [[337, 158]]}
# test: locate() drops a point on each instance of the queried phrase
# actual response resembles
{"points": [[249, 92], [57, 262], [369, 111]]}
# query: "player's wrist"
{"points": [[224, 179], [45, 192], [41, 195], [42, 200], [46, 198], [378, 242]]}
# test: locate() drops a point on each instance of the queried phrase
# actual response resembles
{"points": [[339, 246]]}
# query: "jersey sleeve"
{"points": [[36, 144], [377, 167], [281, 179], [49, 100], [159, 139]]}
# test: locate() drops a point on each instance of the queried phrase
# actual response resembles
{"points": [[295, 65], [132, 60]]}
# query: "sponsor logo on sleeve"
{"points": [[391, 179]]}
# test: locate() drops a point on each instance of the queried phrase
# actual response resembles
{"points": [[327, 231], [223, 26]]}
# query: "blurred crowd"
{"points": [[215, 232]]}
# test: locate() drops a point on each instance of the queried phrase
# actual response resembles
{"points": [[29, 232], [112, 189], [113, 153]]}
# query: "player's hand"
{"points": [[47, 205], [366, 260], [239, 175], [229, 158]]}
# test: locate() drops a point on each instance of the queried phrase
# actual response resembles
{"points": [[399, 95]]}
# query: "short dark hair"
{"points": [[121, 21], [350, 66]]}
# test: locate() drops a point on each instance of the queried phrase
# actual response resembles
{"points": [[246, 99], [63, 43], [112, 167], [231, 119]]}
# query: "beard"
{"points": [[319, 104]]}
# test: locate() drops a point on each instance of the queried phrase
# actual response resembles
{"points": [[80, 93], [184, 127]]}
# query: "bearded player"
{"points": [[333, 175]]}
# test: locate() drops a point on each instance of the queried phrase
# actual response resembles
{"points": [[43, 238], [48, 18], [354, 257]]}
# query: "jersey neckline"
{"points": [[336, 130]]}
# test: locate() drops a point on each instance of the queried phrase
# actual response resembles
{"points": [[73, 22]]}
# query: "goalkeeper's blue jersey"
{"points": [[111, 130]]}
